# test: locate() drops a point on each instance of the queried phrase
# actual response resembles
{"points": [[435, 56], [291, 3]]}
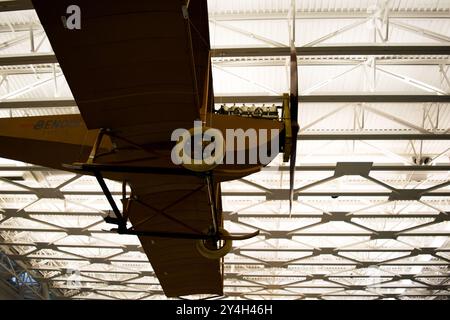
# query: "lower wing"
{"points": [[175, 204]]}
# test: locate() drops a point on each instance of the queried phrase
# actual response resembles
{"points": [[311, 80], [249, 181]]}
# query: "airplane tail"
{"points": [[48, 141]]}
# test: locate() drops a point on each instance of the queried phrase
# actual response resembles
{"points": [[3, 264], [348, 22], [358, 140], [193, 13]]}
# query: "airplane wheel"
{"points": [[205, 164], [208, 249]]}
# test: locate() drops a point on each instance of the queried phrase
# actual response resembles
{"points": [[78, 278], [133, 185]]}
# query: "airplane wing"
{"points": [[175, 204], [139, 68], [136, 67]]}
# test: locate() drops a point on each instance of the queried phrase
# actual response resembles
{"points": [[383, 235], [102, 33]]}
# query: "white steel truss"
{"points": [[372, 204]]}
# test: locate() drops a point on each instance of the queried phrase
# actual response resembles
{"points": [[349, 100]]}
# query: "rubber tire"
{"points": [[218, 253]]}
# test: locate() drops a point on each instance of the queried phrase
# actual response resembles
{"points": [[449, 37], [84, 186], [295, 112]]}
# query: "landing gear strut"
{"points": [[212, 244]]}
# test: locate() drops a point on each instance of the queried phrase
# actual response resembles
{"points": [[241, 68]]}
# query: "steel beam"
{"points": [[343, 264], [275, 194], [374, 168], [27, 214], [335, 14], [71, 193], [335, 216], [273, 52], [269, 168], [377, 136], [25, 168], [335, 61], [69, 102], [26, 59], [228, 215], [341, 98], [10, 5], [334, 250], [283, 194], [42, 58], [334, 51]]}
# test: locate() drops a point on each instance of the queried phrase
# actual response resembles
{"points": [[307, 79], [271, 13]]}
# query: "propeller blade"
{"points": [[293, 99]]}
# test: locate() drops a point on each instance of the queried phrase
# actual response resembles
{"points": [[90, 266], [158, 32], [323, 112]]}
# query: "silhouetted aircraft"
{"points": [[138, 70]]}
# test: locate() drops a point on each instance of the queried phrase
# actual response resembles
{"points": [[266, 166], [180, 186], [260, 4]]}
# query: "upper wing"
{"points": [[140, 68], [175, 204], [137, 67]]}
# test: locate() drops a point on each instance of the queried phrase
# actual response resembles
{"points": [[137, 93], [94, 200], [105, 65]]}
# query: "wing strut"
{"points": [[121, 219]]}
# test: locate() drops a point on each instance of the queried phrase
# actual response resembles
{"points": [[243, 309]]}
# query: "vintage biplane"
{"points": [[138, 70]]}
